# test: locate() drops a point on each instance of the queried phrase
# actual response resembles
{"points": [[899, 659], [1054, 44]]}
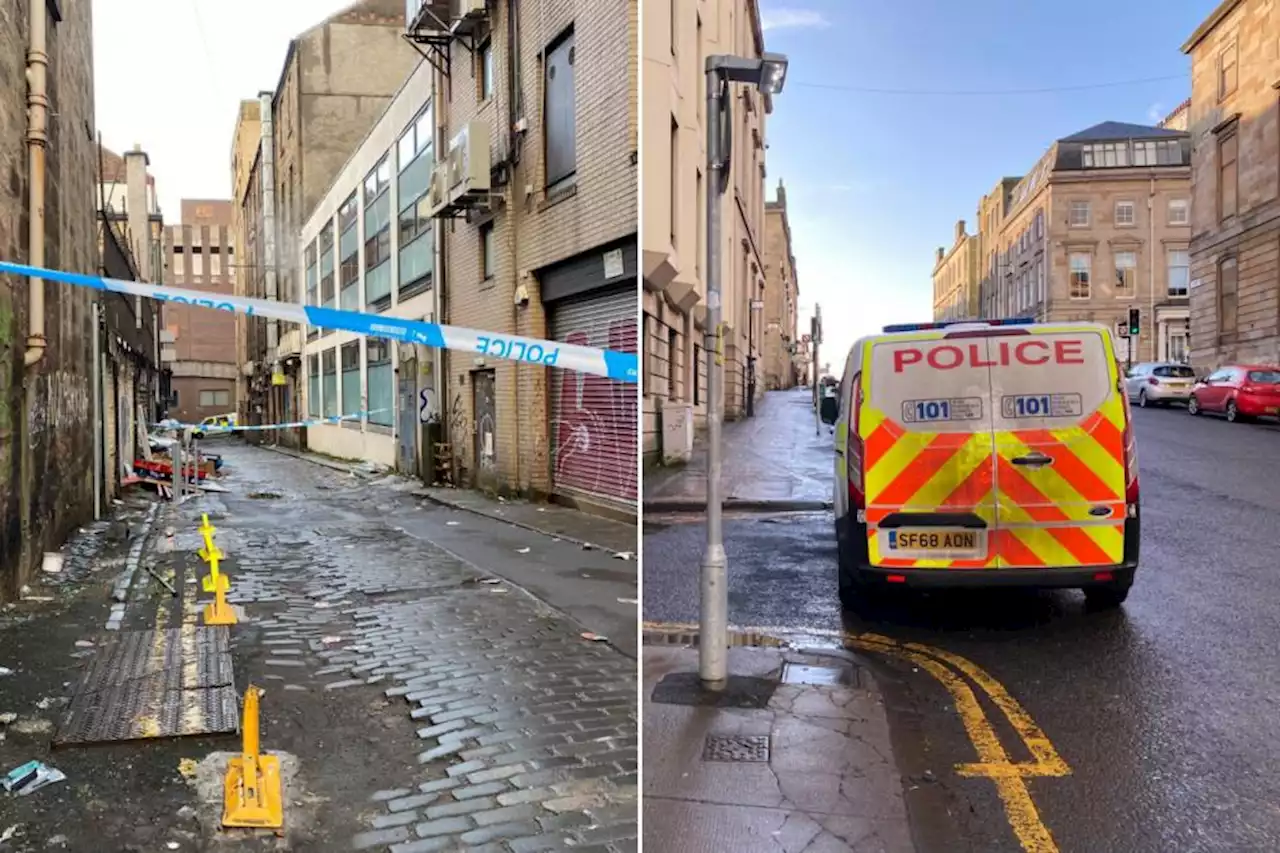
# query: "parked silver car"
{"points": [[1159, 383]]}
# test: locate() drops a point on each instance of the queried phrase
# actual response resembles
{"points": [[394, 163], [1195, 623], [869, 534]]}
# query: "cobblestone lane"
{"points": [[527, 729]]}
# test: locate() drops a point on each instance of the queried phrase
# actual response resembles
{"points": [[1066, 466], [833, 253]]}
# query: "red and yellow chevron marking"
{"points": [[1037, 517]]}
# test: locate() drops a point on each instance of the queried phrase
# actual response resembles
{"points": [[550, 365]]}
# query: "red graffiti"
{"points": [[594, 424]]}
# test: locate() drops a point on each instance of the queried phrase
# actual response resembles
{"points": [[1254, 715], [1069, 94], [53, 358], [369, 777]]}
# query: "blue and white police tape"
{"points": [[622, 366], [213, 428]]}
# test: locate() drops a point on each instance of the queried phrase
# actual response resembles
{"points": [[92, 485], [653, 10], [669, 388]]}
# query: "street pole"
{"points": [[814, 331], [713, 625]]}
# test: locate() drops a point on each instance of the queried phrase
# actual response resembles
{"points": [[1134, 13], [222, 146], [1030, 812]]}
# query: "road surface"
{"points": [[1164, 712]]}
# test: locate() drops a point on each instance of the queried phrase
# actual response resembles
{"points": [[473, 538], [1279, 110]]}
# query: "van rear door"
{"points": [[1059, 424], [929, 459]]}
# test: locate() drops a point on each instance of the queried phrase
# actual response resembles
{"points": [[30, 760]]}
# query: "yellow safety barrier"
{"points": [[253, 795], [218, 612]]}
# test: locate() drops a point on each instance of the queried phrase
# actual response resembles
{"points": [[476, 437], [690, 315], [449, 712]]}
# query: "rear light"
{"points": [[986, 333], [1153, 381], [896, 578], [1131, 491], [1103, 576], [853, 451]]}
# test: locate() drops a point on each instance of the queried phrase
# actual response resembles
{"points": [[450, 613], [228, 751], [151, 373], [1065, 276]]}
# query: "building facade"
{"points": [[678, 39], [781, 345], [955, 277], [290, 143], [1235, 209], [46, 364], [992, 208], [200, 257], [1099, 226]]}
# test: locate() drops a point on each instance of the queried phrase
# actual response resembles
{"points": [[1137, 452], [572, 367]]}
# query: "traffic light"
{"points": [[1135, 324]]}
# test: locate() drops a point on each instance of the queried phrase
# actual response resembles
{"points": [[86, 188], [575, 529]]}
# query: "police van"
{"points": [[985, 453]]}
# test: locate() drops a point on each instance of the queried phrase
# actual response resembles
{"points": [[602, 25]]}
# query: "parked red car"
{"points": [[1240, 391]]}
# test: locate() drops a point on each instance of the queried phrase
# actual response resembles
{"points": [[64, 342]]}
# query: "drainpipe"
{"points": [[270, 260], [37, 140], [1151, 271]]}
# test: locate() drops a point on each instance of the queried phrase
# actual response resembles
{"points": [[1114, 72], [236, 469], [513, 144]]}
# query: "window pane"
{"points": [[377, 283], [381, 379], [377, 215], [351, 296], [313, 386], [560, 118], [350, 378], [416, 260], [414, 180], [330, 389]]}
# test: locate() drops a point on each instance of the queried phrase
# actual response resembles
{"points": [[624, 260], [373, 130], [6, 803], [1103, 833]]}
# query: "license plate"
{"points": [[936, 542]]}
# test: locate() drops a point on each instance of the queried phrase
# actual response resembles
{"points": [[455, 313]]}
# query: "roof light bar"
{"points": [[923, 327]]}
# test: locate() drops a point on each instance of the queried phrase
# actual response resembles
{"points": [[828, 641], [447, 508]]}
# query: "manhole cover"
{"points": [[824, 676], [737, 748]]}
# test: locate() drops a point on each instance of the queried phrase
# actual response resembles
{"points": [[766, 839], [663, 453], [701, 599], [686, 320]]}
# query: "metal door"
{"points": [[594, 419], [407, 407], [484, 405]]}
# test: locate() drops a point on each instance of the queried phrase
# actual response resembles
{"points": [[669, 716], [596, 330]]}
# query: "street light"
{"points": [[768, 74]]}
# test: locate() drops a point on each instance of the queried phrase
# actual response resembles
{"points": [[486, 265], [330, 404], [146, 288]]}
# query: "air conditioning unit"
{"points": [[469, 16], [468, 160]]}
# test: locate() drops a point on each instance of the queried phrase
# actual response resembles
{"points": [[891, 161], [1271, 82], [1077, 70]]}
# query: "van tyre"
{"points": [[1106, 597]]}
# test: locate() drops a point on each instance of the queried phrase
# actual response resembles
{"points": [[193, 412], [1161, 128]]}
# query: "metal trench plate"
{"points": [[171, 683], [736, 748]]}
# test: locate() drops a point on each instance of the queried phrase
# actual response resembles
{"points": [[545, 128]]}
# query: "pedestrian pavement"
{"points": [[594, 531], [427, 702], [779, 459], [782, 766]]}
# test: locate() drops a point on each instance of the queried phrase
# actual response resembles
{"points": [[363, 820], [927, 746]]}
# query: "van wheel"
{"points": [[1193, 405], [1106, 597]]}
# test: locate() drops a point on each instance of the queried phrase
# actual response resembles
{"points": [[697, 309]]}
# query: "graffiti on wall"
{"points": [[594, 426], [61, 403]]}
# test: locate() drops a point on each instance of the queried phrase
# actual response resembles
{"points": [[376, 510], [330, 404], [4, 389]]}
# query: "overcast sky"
{"points": [[169, 75]]}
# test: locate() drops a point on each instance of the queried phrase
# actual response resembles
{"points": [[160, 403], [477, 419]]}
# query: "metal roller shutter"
{"points": [[594, 421]]}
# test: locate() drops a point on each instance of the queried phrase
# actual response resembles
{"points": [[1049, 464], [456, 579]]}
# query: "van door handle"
{"points": [[1033, 460]]}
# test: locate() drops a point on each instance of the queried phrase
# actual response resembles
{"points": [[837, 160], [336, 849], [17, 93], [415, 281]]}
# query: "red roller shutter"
{"points": [[594, 421]]}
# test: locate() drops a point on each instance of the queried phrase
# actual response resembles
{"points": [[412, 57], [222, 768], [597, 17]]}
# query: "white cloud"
{"points": [[1155, 113], [782, 19]]}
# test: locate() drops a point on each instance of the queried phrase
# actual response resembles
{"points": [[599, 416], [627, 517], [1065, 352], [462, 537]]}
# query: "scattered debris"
{"points": [[594, 637], [48, 702], [84, 644], [58, 841], [324, 605], [31, 777], [453, 523], [628, 601], [491, 580], [187, 768], [522, 550], [173, 845], [7, 717], [623, 555], [52, 563], [587, 546], [4, 670], [34, 726], [9, 833], [328, 641]]}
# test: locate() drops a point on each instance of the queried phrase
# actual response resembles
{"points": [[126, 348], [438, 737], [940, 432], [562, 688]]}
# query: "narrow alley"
{"points": [[435, 679]]}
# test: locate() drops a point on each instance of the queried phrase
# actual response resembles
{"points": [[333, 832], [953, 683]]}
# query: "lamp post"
{"points": [[768, 73]]}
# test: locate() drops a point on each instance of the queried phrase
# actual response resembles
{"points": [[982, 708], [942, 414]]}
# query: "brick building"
{"points": [[199, 256], [781, 298], [1235, 178], [1100, 225], [678, 38], [549, 250], [288, 147], [955, 277], [46, 445]]}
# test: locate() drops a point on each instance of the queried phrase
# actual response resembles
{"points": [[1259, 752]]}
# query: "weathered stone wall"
{"points": [[46, 440]]}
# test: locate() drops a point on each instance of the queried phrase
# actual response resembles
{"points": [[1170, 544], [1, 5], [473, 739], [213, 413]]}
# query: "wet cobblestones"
{"points": [[528, 732]]}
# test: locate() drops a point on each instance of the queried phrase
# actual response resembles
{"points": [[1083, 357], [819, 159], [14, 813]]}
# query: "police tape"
{"points": [[215, 428], [622, 366]]}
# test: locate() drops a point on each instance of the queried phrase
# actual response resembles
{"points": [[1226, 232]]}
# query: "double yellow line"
{"points": [[959, 676]]}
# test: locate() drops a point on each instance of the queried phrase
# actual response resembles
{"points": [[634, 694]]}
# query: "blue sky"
{"points": [[875, 182]]}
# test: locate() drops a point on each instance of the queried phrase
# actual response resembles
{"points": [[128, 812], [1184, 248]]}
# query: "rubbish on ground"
{"points": [[34, 726], [4, 670], [587, 546], [324, 605], [522, 550], [187, 768], [9, 833], [156, 576], [47, 702], [594, 637], [84, 644], [7, 717], [31, 777], [173, 845], [328, 641], [52, 563], [628, 601], [542, 509], [491, 580], [453, 523], [623, 555]]}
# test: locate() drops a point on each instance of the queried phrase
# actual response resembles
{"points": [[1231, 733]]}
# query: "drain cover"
{"points": [[736, 748], [824, 676]]}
